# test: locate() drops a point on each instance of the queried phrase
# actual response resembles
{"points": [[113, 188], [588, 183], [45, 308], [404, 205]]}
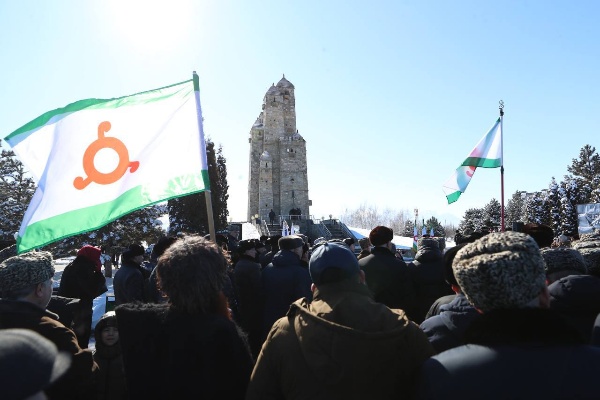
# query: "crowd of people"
{"points": [[498, 315]]}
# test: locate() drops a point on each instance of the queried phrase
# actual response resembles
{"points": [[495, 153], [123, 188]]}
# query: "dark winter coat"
{"points": [[427, 274], [81, 280], [515, 354], [171, 355], [284, 281], [250, 306], [111, 374], [129, 284], [435, 307], [342, 345], [388, 278], [78, 382], [266, 258], [446, 330], [577, 299]]}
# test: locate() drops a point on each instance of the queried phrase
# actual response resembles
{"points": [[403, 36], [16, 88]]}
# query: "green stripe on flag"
{"points": [[482, 162], [83, 220], [452, 197], [53, 116]]}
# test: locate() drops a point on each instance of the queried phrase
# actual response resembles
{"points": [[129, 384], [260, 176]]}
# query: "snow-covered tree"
{"points": [[438, 228], [408, 228], [514, 209], [492, 216], [587, 167], [472, 221], [16, 190], [568, 193], [534, 206], [553, 205]]}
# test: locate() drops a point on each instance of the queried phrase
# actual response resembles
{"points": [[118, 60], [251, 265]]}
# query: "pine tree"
{"points": [[16, 191], [472, 221], [568, 202], [438, 229], [189, 213], [514, 209], [492, 216], [534, 206], [409, 228], [553, 205], [587, 167]]}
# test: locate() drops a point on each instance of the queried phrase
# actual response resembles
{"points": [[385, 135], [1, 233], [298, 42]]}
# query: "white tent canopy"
{"points": [[401, 242]]}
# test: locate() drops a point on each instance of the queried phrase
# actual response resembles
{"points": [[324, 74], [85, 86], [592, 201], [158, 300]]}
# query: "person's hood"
{"points": [[344, 324], [92, 254], [458, 314]]}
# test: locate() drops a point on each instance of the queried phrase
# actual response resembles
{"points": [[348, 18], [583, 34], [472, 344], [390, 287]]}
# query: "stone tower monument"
{"points": [[278, 174]]}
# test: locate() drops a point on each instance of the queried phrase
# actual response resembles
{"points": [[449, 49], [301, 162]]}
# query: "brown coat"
{"points": [[78, 382], [342, 345]]}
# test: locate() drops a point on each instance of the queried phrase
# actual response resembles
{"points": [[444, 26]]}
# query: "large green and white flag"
{"points": [[487, 154], [96, 160]]}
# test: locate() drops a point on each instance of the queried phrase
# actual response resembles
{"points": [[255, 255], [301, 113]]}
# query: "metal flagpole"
{"points": [[207, 192], [501, 107]]}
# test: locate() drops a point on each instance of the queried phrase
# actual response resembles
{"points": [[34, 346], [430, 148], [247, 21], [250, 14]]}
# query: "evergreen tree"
{"points": [[534, 206], [16, 191], [514, 209], [492, 216], [568, 200], [409, 228], [472, 221], [438, 229], [189, 213], [595, 194], [553, 205], [587, 167]]}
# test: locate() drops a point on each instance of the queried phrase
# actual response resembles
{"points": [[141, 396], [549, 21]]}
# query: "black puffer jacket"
{"points": [[515, 354], [577, 299], [447, 329]]}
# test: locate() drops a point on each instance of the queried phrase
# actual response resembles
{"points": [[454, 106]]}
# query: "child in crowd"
{"points": [[111, 376]]}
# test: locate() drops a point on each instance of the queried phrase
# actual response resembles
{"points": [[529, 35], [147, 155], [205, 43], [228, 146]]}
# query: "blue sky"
{"points": [[391, 96]]}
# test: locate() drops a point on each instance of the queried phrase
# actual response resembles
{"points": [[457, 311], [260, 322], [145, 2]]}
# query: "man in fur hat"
{"points": [[25, 291], [284, 280], [518, 348], [387, 275]]}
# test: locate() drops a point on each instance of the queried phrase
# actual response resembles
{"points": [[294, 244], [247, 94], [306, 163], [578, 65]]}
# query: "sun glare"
{"points": [[151, 25]]}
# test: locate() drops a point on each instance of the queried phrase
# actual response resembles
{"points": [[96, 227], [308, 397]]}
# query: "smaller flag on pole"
{"points": [[486, 154], [432, 233], [285, 231], [415, 239], [292, 229], [424, 231]]}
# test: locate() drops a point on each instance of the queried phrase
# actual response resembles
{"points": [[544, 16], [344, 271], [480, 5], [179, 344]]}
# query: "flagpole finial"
{"points": [[501, 107]]}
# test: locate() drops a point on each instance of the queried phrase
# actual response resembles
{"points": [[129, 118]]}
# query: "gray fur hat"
{"points": [[428, 243], [501, 270], [562, 259], [587, 241], [592, 259], [24, 270]]}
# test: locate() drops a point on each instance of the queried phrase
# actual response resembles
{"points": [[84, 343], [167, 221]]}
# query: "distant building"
{"points": [[278, 172]]}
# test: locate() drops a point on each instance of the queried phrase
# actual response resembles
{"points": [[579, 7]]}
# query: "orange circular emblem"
{"points": [[93, 175]]}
